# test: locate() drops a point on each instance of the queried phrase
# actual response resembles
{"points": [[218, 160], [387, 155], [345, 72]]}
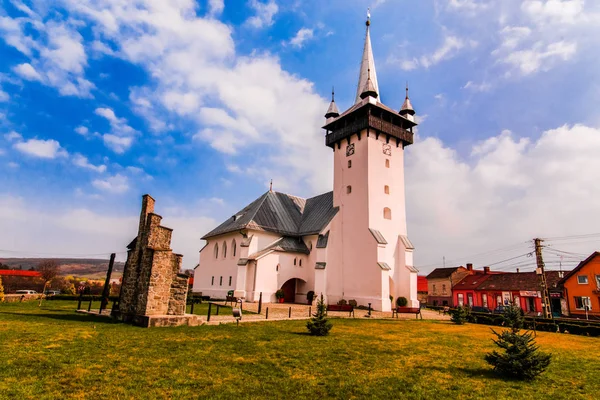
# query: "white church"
{"points": [[350, 243]]}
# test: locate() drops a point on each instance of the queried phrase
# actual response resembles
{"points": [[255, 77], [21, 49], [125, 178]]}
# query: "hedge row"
{"points": [[585, 328]]}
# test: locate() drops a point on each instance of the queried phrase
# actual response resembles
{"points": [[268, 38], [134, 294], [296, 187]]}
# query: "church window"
{"points": [[386, 189], [212, 281], [295, 261], [349, 163], [216, 250], [224, 249], [230, 281], [233, 247], [277, 268], [387, 213], [348, 189], [310, 246], [300, 262], [387, 163], [221, 281]]}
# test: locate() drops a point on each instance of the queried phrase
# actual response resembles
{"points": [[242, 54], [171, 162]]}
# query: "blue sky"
{"points": [[201, 103]]}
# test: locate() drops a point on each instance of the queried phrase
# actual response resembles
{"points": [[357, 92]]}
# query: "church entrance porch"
{"points": [[289, 290]]}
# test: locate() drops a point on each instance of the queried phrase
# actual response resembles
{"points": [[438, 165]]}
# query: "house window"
{"points": [[444, 289], [517, 301], [434, 288], [348, 189], [230, 281], [461, 299], [387, 213], [349, 163], [387, 163], [233, 247], [221, 281], [224, 249], [212, 281], [582, 279], [598, 281], [484, 300], [582, 302], [470, 299], [386, 189], [216, 250]]}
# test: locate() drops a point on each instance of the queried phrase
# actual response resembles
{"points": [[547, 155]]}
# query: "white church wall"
{"points": [[212, 277]]}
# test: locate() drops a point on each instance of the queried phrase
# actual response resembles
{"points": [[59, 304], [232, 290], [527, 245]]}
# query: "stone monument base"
{"points": [[154, 321]]}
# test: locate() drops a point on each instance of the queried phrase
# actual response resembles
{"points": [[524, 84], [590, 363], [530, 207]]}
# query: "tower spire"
{"points": [[332, 111], [367, 63], [407, 109]]}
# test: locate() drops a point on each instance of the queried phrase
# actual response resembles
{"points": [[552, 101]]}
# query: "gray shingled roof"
{"points": [[281, 213], [322, 240], [285, 244]]}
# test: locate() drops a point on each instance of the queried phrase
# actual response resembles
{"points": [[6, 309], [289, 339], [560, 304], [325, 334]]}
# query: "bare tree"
{"points": [[49, 270]]}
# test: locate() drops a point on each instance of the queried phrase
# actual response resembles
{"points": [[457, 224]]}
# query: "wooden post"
{"points": [[309, 311], [260, 302], [208, 316], [79, 303], [290, 314], [90, 305], [217, 309], [267, 313], [106, 290], [192, 311]]}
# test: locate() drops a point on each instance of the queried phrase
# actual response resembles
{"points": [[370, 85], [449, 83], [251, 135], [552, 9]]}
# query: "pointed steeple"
{"points": [[367, 63], [369, 89], [407, 109], [332, 111]]}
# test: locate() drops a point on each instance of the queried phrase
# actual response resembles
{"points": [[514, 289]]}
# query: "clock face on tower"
{"points": [[387, 149], [349, 149]]}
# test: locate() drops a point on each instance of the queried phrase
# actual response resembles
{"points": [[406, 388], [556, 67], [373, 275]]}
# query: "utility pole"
{"points": [[544, 285]]}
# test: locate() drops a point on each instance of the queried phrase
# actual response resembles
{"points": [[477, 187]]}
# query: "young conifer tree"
{"points": [[319, 325], [521, 358]]}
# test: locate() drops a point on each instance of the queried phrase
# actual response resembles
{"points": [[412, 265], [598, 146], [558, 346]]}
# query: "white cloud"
{"points": [[121, 136], [26, 71], [41, 148], [4, 97], [561, 11], [264, 13], [82, 161], [55, 48], [540, 56], [451, 46], [13, 164], [478, 87], [503, 193], [118, 144], [301, 37], [216, 7], [82, 130], [113, 184], [13, 136]]}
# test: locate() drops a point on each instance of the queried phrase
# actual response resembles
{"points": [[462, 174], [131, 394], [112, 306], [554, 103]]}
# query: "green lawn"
{"points": [[53, 353]]}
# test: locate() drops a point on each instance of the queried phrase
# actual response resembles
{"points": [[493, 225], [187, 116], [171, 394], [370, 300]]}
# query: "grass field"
{"points": [[53, 353]]}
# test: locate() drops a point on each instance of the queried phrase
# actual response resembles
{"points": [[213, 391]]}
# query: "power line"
{"points": [[550, 239], [479, 255]]}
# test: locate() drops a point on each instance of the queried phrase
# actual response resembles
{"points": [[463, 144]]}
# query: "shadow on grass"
{"points": [[72, 316], [486, 373]]}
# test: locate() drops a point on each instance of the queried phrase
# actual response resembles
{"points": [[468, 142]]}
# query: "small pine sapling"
{"points": [[319, 325], [460, 315], [521, 358]]}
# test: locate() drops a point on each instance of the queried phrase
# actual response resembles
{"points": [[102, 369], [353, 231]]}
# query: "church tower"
{"points": [[370, 257]]}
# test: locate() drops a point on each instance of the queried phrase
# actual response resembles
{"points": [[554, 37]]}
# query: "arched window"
{"points": [[295, 261], [233, 247], [216, 250], [387, 213], [277, 268], [386, 189], [387, 163], [300, 262], [224, 249], [349, 163], [348, 189], [310, 245]]}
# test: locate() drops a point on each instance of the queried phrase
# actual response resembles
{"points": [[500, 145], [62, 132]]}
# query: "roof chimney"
{"points": [[517, 270], [469, 267], [486, 270]]}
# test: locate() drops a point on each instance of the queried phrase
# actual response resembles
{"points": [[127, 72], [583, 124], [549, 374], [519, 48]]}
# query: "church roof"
{"points": [[285, 244], [281, 213]]}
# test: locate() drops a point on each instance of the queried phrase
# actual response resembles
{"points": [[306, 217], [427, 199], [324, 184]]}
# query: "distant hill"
{"points": [[81, 267]]}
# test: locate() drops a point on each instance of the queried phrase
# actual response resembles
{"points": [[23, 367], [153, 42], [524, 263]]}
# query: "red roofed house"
{"points": [[422, 289], [16, 279], [582, 287]]}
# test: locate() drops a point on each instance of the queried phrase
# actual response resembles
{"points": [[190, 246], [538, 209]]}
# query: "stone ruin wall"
{"points": [[152, 284]]}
